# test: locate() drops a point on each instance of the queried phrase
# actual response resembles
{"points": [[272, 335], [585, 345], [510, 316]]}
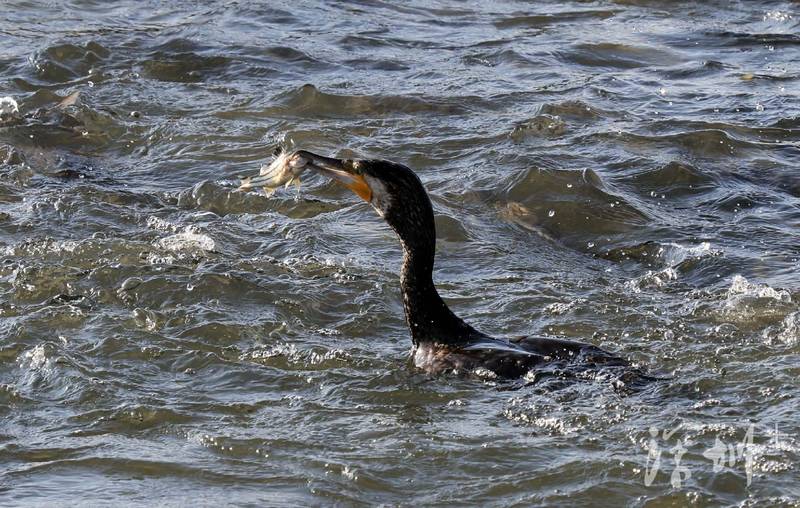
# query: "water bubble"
{"points": [[662, 91], [551, 213], [759, 106], [777, 16]]}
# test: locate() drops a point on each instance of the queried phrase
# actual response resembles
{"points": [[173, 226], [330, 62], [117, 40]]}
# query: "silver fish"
{"points": [[284, 170]]}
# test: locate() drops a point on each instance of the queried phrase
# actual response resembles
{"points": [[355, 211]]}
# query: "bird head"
{"points": [[393, 190]]}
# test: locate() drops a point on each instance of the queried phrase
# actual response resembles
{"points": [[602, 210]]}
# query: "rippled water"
{"points": [[621, 172]]}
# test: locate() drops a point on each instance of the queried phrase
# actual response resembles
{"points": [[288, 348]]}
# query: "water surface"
{"points": [[620, 172]]}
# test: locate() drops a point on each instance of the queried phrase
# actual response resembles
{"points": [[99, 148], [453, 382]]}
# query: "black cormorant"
{"points": [[441, 340]]}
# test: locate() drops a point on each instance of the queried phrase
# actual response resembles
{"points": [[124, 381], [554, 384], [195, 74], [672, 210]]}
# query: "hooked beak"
{"points": [[287, 168], [340, 171]]}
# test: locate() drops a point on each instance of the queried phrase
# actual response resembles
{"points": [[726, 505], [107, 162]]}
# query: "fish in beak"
{"points": [[287, 167], [284, 170]]}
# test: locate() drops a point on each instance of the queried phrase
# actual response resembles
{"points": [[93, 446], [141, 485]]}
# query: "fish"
{"points": [[284, 170]]}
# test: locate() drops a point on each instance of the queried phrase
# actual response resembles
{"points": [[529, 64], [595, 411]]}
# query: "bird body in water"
{"points": [[441, 340]]}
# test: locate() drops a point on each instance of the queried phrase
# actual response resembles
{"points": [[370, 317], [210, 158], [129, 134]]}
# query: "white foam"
{"points": [[42, 247], [740, 287], [777, 15], [350, 474], [157, 223], [187, 240], [558, 308], [8, 108], [549, 424], [484, 373], [295, 356], [787, 332], [36, 358], [790, 329], [652, 278], [675, 254]]}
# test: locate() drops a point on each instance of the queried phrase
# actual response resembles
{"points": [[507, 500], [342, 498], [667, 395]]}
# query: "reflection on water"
{"points": [[621, 172]]}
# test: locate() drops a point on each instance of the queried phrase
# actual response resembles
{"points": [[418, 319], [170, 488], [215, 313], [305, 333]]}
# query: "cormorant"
{"points": [[441, 340]]}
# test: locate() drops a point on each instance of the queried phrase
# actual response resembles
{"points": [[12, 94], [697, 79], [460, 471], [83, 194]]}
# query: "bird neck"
{"points": [[428, 317]]}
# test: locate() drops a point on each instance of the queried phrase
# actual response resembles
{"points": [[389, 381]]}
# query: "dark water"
{"points": [[624, 173]]}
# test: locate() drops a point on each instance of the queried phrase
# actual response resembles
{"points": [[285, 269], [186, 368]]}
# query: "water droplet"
{"points": [[551, 213], [90, 83], [759, 106]]}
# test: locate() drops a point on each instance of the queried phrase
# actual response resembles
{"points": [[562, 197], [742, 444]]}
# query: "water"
{"points": [[623, 173]]}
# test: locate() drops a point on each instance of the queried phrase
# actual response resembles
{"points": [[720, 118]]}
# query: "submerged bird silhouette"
{"points": [[441, 340]]}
